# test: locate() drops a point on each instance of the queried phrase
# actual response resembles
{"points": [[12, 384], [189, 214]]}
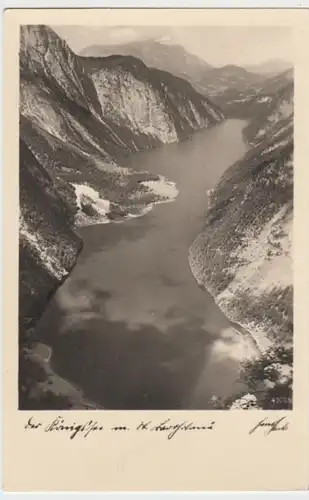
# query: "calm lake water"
{"points": [[131, 327]]}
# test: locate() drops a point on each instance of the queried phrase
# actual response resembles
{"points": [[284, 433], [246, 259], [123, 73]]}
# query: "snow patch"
{"points": [[162, 188], [86, 195], [264, 99]]}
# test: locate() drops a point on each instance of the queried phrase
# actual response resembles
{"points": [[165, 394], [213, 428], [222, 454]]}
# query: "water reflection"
{"points": [[130, 326]]}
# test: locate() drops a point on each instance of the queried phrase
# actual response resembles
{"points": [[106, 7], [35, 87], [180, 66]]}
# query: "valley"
{"points": [[140, 303]]}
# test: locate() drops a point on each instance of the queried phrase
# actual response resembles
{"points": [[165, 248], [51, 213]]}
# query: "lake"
{"points": [[130, 326]]}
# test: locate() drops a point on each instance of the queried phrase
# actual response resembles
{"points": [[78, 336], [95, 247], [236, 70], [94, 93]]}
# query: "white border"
{"points": [[240, 4]]}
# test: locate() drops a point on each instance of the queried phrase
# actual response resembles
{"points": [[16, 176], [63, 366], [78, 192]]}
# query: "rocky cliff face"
{"points": [[150, 102], [78, 95], [48, 244]]}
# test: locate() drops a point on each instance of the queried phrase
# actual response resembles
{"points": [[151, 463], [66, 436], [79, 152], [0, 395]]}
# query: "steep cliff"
{"points": [[72, 89], [48, 244], [149, 101]]}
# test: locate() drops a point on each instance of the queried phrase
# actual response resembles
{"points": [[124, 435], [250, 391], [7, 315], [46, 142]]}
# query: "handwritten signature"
{"points": [[280, 424]]}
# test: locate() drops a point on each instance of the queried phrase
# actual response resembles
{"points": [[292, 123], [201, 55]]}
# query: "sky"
{"points": [[242, 45]]}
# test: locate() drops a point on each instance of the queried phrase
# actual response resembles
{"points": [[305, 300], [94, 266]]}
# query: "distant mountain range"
{"points": [[253, 99], [222, 84], [275, 112], [273, 66], [172, 58]]}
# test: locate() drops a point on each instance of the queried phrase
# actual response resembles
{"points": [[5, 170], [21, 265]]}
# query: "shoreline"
{"points": [[241, 329], [169, 189], [163, 190], [74, 394]]}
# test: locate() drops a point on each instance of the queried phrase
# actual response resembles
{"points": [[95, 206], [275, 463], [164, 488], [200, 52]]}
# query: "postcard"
{"points": [[156, 249]]}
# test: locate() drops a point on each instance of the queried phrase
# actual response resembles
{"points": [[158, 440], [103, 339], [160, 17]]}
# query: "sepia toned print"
{"points": [[150, 234], [156, 218]]}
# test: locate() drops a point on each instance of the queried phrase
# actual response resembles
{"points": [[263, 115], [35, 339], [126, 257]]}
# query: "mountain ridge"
{"points": [[220, 83], [171, 57], [243, 257]]}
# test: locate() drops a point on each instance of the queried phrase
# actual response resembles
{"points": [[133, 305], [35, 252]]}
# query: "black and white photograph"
{"points": [[155, 217]]}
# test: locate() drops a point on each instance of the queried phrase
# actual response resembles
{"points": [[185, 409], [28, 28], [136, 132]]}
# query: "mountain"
{"points": [[233, 88], [149, 101], [274, 117], [227, 78], [246, 240], [78, 117], [172, 58], [48, 244], [243, 257], [257, 98], [273, 66], [208, 80], [240, 93]]}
